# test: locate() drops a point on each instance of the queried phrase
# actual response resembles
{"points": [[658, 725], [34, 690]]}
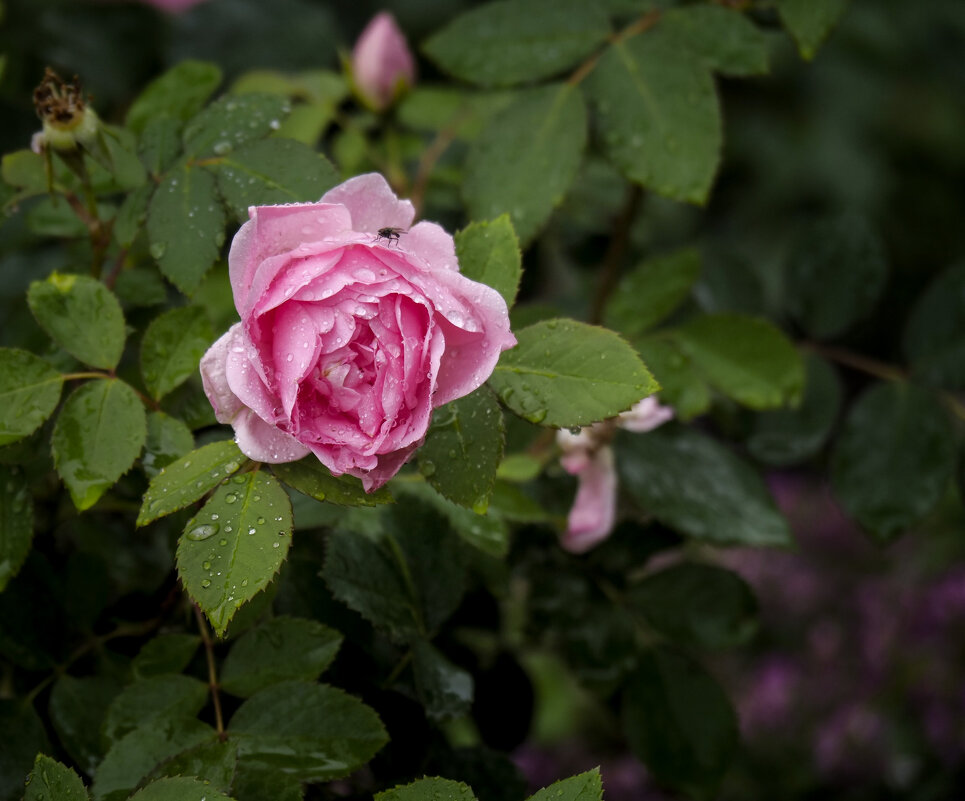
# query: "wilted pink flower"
{"points": [[353, 329], [587, 455], [382, 65]]}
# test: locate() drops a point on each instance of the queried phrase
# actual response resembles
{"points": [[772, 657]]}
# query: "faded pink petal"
{"points": [[213, 366], [372, 204], [645, 415], [594, 510], [381, 62], [263, 442]]}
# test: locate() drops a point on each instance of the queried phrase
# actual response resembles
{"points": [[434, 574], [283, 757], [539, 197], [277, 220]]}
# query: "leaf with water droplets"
{"points": [[432, 789], [82, 316], [583, 787], [235, 544], [179, 788], [168, 439], [489, 252], [270, 172], [172, 348], [216, 761], [185, 225], [312, 478], [29, 392], [183, 482], [178, 94], [98, 435], [566, 373], [52, 781], [16, 521], [233, 120]]}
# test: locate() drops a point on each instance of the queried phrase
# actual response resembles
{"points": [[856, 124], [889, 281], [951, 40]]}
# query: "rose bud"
{"points": [[382, 66], [354, 327]]}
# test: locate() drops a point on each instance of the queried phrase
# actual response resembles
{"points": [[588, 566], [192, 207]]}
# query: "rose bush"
{"points": [[348, 339]]}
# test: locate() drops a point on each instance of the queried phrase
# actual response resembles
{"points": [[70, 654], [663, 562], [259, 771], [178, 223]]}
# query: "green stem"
{"points": [[212, 672]]}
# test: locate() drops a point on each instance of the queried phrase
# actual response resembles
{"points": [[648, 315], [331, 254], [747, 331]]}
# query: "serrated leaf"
{"points": [[789, 436], [566, 373], [810, 21], [835, 275], [279, 649], [271, 172], [526, 158], [129, 220], [152, 700], [179, 93], [680, 384], [470, 431], [82, 316], [893, 459], [77, 709], [166, 653], [724, 39], [934, 336], [445, 690], [692, 483], [658, 116], [698, 605], [235, 544], [189, 478], [746, 358], [583, 787], [312, 478], [432, 789], [231, 121], [160, 145], [52, 781], [216, 763], [135, 755], [679, 722], [16, 521], [179, 788], [29, 392], [185, 225], [311, 731], [98, 434], [489, 252], [506, 43], [652, 291], [168, 439], [172, 348]]}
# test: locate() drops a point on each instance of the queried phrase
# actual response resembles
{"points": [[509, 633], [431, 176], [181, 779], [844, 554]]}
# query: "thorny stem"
{"points": [[212, 671], [610, 271]]}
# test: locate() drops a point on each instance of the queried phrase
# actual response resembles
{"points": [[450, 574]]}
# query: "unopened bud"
{"points": [[382, 65]]}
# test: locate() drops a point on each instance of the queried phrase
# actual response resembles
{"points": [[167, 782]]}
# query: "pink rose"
{"points": [[382, 66], [348, 339], [588, 456]]}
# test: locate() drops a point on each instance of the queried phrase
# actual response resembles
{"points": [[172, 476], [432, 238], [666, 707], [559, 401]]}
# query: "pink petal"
{"points": [[645, 415], [214, 379], [263, 442], [381, 60], [594, 510], [372, 203], [431, 243]]}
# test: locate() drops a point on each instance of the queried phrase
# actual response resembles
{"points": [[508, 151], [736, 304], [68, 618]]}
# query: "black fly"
{"points": [[389, 234]]}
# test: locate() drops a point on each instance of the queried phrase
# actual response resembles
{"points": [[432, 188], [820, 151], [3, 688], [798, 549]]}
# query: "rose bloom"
{"points": [[382, 64], [348, 339]]}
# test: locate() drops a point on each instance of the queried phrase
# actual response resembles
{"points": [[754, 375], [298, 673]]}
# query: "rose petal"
{"points": [[372, 203], [214, 379], [381, 60], [594, 509], [263, 442], [645, 415], [431, 243]]}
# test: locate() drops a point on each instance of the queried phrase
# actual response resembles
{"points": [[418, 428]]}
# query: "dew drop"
{"points": [[202, 532]]}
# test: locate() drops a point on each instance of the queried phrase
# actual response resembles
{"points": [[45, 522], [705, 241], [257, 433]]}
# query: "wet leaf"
{"points": [[172, 348], [489, 252], [312, 478], [29, 392], [179, 788], [168, 439], [52, 781], [428, 790], [233, 120], [584, 787], [179, 93]]}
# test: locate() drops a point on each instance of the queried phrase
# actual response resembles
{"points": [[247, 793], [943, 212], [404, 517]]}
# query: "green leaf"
{"points": [[180, 93], [29, 392], [271, 172], [679, 722], [506, 43], [233, 120], [311, 731], [280, 649], [893, 459], [152, 700], [428, 790], [255, 781], [835, 275], [312, 478], [652, 291], [52, 781], [183, 482], [172, 348], [746, 358], [77, 709], [185, 226], [445, 690], [810, 21], [694, 484], [130, 217], [22, 734], [160, 145], [724, 39], [526, 158], [99, 433], [934, 336], [790, 436], [168, 439], [166, 653], [16, 521], [25, 170], [134, 756], [680, 384], [82, 316], [489, 252], [215, 762], [699, 605], [583, 787], [658, 116], [179, 788], [470, 431], [235, 544], [565, 373]]}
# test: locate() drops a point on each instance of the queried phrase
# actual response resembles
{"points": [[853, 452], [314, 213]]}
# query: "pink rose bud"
{"points": [[354, 327], [382, 65], [594, 509]]}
